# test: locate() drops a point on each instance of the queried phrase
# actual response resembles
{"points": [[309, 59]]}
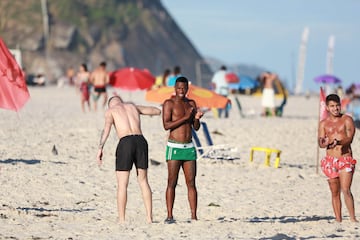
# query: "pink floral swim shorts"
{"points": [[332, 165]]}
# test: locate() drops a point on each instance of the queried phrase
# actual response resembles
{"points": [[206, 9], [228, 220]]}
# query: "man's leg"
{"points": [[220, 110], [123, 181], [189, 168], [173, 173], [273, 113], [345, 184], [105, 99], [146, 192], [95, 99], [334, 185]]}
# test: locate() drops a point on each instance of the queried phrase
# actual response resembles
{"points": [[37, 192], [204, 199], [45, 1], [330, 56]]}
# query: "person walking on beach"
{"points": [[99, 78], [221, 87], [82, 81], [336, 133], [268, 93], [180, 115], [132, 149]]}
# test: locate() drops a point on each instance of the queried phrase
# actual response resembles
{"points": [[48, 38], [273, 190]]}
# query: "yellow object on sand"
{"points": [[158, 81], [268, 152], [215, 112]]}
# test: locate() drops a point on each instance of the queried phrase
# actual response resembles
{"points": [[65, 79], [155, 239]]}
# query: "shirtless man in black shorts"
{"points": [[99, 78], [132, 149]]}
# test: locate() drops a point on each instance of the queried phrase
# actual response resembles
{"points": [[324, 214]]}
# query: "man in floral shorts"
{"points": [[336, 133]]}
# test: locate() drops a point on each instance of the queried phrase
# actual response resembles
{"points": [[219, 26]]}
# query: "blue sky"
{"points": [[268, 34]]}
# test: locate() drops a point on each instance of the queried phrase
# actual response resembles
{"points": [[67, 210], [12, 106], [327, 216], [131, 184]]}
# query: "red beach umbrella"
{"points": [[132, 79], [231, 78], [13, 89]]}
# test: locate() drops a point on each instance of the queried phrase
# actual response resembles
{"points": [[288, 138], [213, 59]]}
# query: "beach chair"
{"points": [[239, 107], [211, 151]]}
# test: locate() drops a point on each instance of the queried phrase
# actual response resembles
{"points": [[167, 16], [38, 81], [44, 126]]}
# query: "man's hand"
{"points": [[333, 144], [324, 141], [99, 157], [198, 114], [189, 113]]}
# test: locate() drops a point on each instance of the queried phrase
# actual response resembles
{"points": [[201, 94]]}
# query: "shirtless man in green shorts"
{"points": [[336, 133], [132, 149], [180, 115]]}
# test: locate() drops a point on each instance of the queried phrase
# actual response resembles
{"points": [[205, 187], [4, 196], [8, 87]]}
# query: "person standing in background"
{"points": [[82, 80], [99, 78], [171, 79], [268, 93], [221, 87]]}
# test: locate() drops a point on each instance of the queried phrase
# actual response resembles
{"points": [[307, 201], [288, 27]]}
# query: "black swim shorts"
{"points": [[132, 149], [100, 89]]}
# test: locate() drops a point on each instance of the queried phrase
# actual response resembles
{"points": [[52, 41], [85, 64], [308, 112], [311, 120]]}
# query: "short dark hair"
{"points": [[84, 66], [103, 64], [332, 97], [182, 79], [111, 98], [177, 69]]}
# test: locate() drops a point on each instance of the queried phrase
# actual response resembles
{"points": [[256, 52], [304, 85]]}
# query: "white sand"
{"points": [[66, 196]]}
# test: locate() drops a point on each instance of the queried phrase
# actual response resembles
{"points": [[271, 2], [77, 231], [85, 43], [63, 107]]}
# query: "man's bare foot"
{"points": [[120, 221], [169, 220], [354, 220]]}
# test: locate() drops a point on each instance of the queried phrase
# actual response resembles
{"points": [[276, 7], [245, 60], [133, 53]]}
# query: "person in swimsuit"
{"points": [[82, 80], [268, 93], [180, 116], [132, 149], [336, 133], [99, 78]]}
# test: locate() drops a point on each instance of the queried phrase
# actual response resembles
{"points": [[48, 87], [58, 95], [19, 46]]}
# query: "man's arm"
{"points": [[168, 123], [104, 135], [148, 110], [91, 78], [107, 78], [349, 132], [323, 141], [198, 115]]}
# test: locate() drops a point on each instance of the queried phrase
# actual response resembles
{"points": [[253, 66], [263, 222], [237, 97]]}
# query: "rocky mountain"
{"points": [[55, 35]]}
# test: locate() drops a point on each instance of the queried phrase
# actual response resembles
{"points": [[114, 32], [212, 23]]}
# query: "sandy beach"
{"points": [[67, 196]]}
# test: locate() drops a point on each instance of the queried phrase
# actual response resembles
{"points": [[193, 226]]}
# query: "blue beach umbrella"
{"points": [[246, 82]]}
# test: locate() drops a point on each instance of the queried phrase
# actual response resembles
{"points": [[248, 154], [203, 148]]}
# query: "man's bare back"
{"points": [[126, 119], [99, 77]]}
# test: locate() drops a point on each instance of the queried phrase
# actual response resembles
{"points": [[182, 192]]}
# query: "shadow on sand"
{"points": [[41, 209], [15, 161], [290, 219]]}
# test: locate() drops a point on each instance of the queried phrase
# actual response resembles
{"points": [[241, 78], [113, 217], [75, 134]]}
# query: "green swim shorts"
{"points": [[180, 151]]}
